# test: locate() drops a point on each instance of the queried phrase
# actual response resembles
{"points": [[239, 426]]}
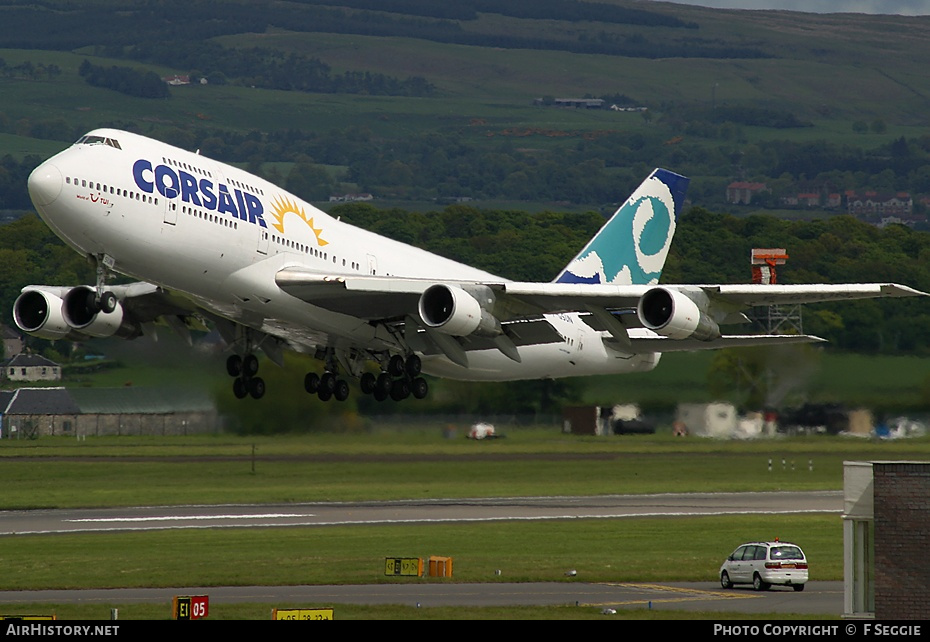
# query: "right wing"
{"points": [[458, 316]]}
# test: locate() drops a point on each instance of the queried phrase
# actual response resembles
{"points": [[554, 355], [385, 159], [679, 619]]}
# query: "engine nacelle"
{"points": [[79, 313], [38, 312], [451, 310], [675, 315]]}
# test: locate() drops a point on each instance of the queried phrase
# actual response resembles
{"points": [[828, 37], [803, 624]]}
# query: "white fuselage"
{"points": [[219, 235]]}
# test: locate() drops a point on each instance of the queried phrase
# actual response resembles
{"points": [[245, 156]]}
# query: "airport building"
{"points": [[29, 413], [886, 522]]}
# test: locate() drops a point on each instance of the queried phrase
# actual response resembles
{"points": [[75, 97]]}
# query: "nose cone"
{"points": [[44, 184]]}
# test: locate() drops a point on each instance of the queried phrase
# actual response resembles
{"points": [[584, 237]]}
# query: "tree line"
{"points": [[478, 162], [482, 163], [709, 247], [125, 80], [182, 22], [29, 70]]}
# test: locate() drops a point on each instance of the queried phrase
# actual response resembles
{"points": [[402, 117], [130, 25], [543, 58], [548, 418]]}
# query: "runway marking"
{"points": [[167, 518], [679, 589], [242, 521], [689, 595]]}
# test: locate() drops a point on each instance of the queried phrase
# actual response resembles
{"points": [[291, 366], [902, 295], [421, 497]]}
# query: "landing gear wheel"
{"points": [[725, 580], [341, 391], [383, 383], [312, 382], [419, 388], [107, 302], [234, 365], [367, 383], [413, 366], [400, 390], [328, 382], [240, 389], [250, 365], [758, 584], [380, 394], [324, 394], [396, 365], [256, 387]]}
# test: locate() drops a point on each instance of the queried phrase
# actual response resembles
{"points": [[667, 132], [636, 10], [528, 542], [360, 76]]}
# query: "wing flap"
{"points": [[364, 297], [665, 344], [756, 294]]}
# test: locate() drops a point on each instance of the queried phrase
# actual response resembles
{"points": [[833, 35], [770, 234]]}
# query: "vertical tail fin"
{"points": [[631, 247]]}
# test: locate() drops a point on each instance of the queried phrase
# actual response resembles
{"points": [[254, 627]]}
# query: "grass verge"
{"points": [[600, 550]]}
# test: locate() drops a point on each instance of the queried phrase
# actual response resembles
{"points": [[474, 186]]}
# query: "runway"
{"points": [[820, 598], [36, 522]]}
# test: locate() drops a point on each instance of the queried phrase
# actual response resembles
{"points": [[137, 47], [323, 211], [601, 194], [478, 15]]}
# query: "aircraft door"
{"points": [[372, 265], [171, 206], [263, 238]]}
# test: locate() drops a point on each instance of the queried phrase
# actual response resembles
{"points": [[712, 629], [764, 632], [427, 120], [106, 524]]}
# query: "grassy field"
{"points": [[415, 464], [412, 463]]}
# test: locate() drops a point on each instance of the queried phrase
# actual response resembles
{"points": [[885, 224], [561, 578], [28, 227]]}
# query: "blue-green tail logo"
{"points": [[632, 246]]}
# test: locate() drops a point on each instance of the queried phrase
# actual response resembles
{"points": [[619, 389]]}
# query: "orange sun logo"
{"points": [[284, 206]]}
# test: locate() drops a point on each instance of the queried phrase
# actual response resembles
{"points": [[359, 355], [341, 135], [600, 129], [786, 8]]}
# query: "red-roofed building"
{"points": [[741, 192]]}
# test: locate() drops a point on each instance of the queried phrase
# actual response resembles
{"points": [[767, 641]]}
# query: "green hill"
{"points": [[414, 102]]}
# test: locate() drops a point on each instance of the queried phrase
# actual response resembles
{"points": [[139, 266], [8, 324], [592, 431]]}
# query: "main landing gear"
{"points": [[400, 379], [326, 387], [329, 385], [244, 370]]}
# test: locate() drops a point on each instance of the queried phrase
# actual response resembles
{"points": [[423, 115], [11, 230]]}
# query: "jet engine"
{"points": [[38, 312], [451, 310], [82, 313], [675, 315], [59, 312]]}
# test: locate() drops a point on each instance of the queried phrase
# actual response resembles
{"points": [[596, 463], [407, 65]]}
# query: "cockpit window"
{"points": [[98, 140]]}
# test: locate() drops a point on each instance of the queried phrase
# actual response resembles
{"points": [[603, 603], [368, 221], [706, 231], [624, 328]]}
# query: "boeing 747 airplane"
{"points": [[210, 243]]}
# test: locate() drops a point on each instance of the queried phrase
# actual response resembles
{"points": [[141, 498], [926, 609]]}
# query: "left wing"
{"points": [[63, 312], [691, 314]]}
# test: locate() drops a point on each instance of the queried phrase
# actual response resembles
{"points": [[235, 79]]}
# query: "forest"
{"points": [[126, 80]]}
